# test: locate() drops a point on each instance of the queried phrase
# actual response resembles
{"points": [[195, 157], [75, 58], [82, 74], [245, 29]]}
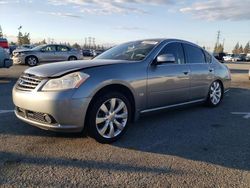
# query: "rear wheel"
{"points": [[109, 117], [215, 94], [31, 61], [72, 58]]}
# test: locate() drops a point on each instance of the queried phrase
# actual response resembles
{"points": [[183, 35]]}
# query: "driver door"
{"points": [[48, 53], [169, 83]]}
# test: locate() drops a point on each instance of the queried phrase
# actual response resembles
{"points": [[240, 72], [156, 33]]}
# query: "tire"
{"points": [[106, 122], [215, 94], [31, 61], [72, 58]]}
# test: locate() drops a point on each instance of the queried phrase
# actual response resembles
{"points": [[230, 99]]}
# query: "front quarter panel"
{"points": [[131, 75]]}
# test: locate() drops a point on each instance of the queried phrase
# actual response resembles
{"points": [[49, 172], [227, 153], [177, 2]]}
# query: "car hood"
{"points": [[61, 68], [23, 50]]}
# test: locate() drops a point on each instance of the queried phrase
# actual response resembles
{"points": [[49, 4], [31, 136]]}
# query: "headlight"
{"points": [[69, 81]]}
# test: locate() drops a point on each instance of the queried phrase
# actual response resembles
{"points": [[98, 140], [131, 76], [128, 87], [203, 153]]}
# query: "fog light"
{"points": [[47, 118]]}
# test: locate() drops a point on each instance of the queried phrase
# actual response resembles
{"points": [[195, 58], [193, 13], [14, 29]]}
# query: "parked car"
{"points": [[12, 48], [99, 52], [4, 44], [228, 57], [219, 56], [5, 61], [88, 53], [247, 58], [107, 93], [45, 53]]}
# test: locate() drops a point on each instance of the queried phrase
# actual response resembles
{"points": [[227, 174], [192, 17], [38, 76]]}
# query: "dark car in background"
{"points": [[88, 53], [219, 56], [46, 53]]}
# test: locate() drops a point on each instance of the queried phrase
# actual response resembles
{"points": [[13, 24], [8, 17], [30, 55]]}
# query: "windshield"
{"points": [[38, 47], [132, 51]]}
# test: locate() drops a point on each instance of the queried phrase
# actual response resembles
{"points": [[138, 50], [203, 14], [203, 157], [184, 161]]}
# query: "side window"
{"points": [[62, 48], [50, 48], [208, 57], [194, 54], [176, 50]]}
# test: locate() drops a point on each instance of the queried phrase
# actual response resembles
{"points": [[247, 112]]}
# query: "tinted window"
{"points": [[194, 54], [62, 48], [50, 48], [208, 57], [176, 50]]}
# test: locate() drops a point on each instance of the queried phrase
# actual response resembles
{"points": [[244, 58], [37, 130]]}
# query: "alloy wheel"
{"points": [[32, 61], [215, 93], [111, 118]]}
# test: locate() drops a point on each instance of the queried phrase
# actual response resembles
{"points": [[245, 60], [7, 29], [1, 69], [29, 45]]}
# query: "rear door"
{"points": [[201, 71], [168, 83]]}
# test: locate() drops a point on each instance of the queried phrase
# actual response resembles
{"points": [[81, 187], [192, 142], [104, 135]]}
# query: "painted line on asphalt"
{"points": [[6, 111], [246, 115]]}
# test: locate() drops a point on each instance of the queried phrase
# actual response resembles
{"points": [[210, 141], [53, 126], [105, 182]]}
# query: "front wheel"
{"points": [[32, 61], [109, 117], [72, 58], [215, 94]]}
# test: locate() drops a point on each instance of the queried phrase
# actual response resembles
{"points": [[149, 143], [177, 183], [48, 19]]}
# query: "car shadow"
{"points": [[199, 133]]}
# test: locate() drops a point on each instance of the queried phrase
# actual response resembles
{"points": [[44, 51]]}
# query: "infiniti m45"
{"points": [[106, 93]]}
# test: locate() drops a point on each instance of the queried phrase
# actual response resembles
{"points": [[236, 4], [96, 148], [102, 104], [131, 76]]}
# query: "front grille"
{"points": [[28, 82], [34, 116]]}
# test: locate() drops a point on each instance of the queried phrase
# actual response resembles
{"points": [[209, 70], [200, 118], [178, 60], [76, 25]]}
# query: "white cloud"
{"points": [[110, 7], [60, 14], [128, 28], [219, 10]]}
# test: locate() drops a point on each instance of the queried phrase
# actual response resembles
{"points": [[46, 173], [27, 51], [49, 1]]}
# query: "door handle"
{"points": [[186, 72], [211, 70]]}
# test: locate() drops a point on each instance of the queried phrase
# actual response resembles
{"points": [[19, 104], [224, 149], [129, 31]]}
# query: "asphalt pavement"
{"points": [[193, 146]]}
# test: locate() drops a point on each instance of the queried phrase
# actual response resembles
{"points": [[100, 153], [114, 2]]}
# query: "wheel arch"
{"points": [[31, 55], [115, 87]]}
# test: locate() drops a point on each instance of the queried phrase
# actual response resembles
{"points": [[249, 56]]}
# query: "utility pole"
{"points": [[218, 38], [89, 42]]}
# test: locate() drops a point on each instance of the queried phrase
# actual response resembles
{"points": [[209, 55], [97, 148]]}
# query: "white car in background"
{"points": [[229, 57]]}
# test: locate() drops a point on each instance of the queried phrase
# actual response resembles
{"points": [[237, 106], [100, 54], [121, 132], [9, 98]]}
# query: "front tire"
{"points": [[31, 61], [72, 58], [215, 94], [109, 117]]}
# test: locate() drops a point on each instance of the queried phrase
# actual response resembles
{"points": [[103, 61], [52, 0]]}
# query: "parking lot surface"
{"points": [[188, 147]]}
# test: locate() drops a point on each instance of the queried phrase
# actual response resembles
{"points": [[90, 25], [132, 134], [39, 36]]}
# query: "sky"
{"points": [[117, 21]]}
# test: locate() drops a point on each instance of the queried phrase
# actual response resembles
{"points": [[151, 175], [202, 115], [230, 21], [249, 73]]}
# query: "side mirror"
{"points": [[165, 58]]}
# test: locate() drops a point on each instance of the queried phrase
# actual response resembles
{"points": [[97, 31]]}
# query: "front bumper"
{"points": [[68, 113], [18, 60]]}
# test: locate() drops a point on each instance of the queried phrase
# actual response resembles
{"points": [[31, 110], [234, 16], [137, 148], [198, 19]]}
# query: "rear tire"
{"points": [[215, 94], [108, 117]]}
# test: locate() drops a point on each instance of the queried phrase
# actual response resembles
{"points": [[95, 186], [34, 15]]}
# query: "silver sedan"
{"points": [[105, 94], [45, 53]]}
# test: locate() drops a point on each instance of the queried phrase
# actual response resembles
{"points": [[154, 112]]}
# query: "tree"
{"points": [[1, 32], [240, 49], [23, 38], [218, 48], [236, 48], [77, 46], [247, 48]]}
